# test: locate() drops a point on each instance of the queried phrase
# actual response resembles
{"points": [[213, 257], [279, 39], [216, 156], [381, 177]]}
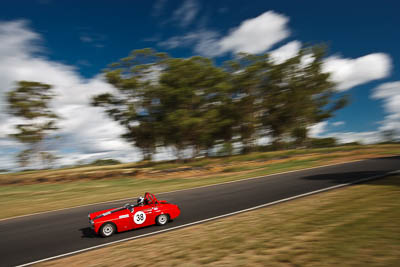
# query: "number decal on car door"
{"points": [[139, 217]]}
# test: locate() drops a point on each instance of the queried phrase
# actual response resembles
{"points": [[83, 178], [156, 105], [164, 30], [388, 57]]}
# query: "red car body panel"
{"points": [[126, 219]]}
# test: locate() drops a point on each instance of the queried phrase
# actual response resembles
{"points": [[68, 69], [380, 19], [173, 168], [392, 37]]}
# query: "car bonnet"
{"points": [[108, 213]]}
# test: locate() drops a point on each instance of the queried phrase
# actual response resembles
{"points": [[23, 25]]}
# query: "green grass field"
{"points": [[352, 226], [95, 184]]}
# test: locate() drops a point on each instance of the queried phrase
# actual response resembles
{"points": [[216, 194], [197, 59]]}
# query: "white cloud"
{"points": [[256, 35], [348, 73], [206, 45], [19, 39], [86, 39], [265, 140], [175, 42], [390, 94], [261, 33], [285, 52], [84, 130], [338, 123], [95, 39], [387, 90], [320, 130], [370, 137], [186, 13], [203, 42], [317, 129]]}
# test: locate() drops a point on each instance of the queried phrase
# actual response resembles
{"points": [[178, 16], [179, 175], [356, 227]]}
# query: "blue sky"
{"points": [[72, 41]]}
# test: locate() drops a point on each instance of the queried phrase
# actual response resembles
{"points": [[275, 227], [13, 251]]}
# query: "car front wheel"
{"points": [[162, 219], [107, 229]]}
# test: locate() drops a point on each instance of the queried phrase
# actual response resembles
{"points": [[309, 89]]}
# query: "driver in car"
{"points": [[140, 201]]}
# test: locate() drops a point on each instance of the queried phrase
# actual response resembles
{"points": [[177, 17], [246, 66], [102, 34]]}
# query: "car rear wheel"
{"points": [[107, 229], [162, 219]]}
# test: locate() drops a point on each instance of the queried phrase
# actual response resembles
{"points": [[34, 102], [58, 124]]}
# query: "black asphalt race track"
{"points": [[31, 238]]}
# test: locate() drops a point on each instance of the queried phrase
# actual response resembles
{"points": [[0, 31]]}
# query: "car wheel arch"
{"points": [[168, 218], [109, 222]]}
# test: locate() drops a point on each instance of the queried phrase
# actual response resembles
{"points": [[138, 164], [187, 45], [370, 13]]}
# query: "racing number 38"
{"points": [[139, 217]]}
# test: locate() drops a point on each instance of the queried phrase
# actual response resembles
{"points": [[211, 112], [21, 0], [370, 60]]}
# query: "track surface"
{"points": [[35, 237]]}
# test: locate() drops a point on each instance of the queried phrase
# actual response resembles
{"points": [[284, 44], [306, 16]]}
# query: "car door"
{"points": [[124, 221], [143, 216], [149, 212]]}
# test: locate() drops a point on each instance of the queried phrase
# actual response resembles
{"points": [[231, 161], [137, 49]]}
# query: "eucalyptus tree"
{"points": [[281, 100], [170, 102], [299, 94], [192, 103], [133, 104], [195, 99], [30, 102], [246, 75]]}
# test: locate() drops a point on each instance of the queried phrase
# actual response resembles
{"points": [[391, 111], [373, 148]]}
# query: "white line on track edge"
{"points": [[214, 218], [185, 189]]}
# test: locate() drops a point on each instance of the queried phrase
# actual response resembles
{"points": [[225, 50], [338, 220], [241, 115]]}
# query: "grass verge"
{"points": [[352, 226], [25, 198]]}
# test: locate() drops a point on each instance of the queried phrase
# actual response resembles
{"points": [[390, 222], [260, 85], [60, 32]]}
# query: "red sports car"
{"points": [[147, 211]]}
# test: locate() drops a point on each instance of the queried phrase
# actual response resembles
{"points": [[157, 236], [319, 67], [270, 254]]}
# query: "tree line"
{"points": [[193, 105]]}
